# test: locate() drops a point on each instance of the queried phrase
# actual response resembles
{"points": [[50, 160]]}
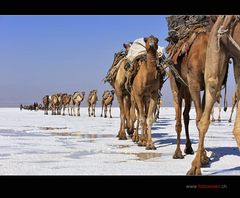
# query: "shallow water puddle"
{"points": [[52, 128], [82, 135], [145, 156]]}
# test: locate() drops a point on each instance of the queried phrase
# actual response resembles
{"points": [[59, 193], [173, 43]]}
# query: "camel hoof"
{"points": [[110, 116], [194, 171], [178, 155], [101, 115], [151, 147], [78, 114], [205, 161], [124, 137], [105, 116], [229, 121], [140, 144], [188, 151]]}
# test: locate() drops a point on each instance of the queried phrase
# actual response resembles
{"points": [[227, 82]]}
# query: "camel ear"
{"points": [[124, 45], [145, 39], [157, 40]]}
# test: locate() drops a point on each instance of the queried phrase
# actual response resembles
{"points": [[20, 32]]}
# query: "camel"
{"points": [[223, 44], [234, 102], [54, 103], [76, 99], [145, 87], [92, 100], [107, 99], [66, 99], [46, 102], [189, 62], [123, 96]]}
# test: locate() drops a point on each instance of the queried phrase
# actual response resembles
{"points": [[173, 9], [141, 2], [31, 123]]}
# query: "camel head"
{"points": [[127, 46], [112, 91], [151, 43]]}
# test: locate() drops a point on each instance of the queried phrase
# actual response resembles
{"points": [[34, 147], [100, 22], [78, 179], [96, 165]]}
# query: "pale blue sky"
{"points": [[42, 55]]}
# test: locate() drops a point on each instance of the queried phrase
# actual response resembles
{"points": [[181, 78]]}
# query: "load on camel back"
{"points": [[182, 31], [137, 52]]}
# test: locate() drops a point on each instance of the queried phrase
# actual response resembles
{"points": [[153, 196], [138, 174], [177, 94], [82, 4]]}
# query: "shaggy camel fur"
{"points": [[92, 100], [107, 100], [223, 44], [54, 104], [146, 85]]}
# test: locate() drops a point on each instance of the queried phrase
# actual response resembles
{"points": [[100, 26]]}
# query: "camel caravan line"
{"points": [[197, 58]]}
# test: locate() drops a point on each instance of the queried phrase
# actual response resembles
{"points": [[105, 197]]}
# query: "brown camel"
{"points": [[46, 102], [123, 96], [223, 44], [107, 99], [76, 99], [145, 87], [189, 61], [66, 99], [92, 100], [234, 102]]}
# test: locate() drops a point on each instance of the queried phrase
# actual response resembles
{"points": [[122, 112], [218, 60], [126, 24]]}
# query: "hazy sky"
{"points": [[42, 55]]}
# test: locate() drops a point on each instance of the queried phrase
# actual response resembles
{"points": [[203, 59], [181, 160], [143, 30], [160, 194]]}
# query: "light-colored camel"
{"points": [[107, 100], [59, 104], [66, 99], [146, 85], [234, 102], [223, 44], [76, 100], [92, 100]]}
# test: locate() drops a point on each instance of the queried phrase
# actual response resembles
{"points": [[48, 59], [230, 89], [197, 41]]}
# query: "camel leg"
{"points": [[64, 110], [121, 133], [212, 114], [219, 112], [105, 111], [68, 110], [89, 110], [93, 109], [78, 109], [150, 120], [178, 128], [203, 127], [233, 106], [142, 120], [102, 109], [188, 148], [127, 107], [135, 137], [110, 110]]}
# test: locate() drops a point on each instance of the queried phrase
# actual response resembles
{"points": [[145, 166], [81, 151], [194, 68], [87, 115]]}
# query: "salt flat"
{"points": [[32, 143]]}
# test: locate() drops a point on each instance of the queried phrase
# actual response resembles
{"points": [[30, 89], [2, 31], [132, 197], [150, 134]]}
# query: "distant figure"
{"points": [[107, 99], [21, 107], [92, 100]]}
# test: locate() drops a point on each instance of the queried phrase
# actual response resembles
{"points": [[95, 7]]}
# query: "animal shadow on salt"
{"points": [[218, 152]]}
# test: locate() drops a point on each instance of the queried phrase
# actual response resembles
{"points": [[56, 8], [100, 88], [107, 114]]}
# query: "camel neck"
{"points": [[151, 59]]}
